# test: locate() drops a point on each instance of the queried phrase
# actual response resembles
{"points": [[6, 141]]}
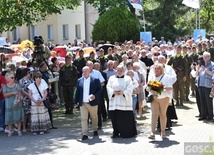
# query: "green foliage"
{"points": [[117, 24], [105, 5], [15, 13], [172, 18]]}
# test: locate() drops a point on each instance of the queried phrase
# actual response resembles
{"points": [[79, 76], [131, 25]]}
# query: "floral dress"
{"points": [[24, 83]]}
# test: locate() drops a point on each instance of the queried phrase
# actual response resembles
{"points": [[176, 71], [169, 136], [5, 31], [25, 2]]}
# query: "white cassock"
{"points": [[120, 102]]}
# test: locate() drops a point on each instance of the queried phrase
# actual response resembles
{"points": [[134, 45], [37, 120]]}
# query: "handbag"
{"points": [[46, 102], [149, 98], [212, 92]]}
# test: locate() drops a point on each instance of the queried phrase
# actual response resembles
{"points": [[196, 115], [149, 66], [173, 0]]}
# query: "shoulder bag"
{"points": [[46, 102]]}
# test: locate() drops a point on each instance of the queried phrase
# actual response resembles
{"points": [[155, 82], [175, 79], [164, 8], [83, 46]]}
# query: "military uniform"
{"points": [[188, 63], [211, 51], [111, 57], [178, 64], [68, 79], [79, 63], [194, 57], [102, 60]]}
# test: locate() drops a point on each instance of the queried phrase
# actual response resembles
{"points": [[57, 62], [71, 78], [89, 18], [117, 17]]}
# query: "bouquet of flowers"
{"points": [[155, 86]]}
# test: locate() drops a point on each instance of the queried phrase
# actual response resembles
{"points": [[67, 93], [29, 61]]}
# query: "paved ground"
{"points": [[66, 139]]}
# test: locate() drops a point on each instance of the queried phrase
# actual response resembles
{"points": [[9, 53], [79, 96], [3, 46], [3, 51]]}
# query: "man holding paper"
{"points": [[87, 96]]}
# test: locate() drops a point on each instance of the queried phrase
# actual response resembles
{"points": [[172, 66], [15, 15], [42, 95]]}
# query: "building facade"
{"points": [[60, 28]]}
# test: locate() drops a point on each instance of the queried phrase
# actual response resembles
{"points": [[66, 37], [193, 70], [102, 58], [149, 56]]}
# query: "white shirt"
{"points": [[96, 74], [166, 81], [86, 89]]}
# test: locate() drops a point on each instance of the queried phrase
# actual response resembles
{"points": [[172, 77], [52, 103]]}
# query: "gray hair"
{"points": [[9, 74], [130, 72], [120, 67]]}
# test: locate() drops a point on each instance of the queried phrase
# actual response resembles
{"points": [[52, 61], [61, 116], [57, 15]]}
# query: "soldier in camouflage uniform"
{"points": [[68, 79], [178, 64], [211, 50], [188, 63], [110, 55], [80, 63], [200, 51], [102, 60], [194, 57]]}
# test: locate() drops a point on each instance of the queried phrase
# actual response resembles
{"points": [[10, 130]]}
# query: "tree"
{"points": [[117, 24], [162, 17], [105, 5], [15, 13]]}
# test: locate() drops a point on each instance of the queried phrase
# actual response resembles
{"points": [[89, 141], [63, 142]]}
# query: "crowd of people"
{"points": [[109, 84]]}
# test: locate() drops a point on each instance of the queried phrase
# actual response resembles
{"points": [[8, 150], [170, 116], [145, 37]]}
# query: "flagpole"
{"points": [[196, 19]]}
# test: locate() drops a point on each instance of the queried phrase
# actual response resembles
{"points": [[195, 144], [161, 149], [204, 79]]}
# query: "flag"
{"points": [[192, 3], [136, 4]]}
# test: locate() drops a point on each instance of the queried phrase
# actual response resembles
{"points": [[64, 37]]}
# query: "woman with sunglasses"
{"points": [[13, 106], [24, 83], [40, 120]]}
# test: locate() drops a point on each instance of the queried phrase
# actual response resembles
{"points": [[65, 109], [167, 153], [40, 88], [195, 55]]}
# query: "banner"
{"points": [[137, 4], [192, 3], [146, 36], [2, 41], [198, 32]]}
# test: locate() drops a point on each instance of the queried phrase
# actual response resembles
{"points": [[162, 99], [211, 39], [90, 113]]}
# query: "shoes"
{"points": [[15, 130], [1, 129], [41, 133], [10, 134], [99, 128], [6, 131], [210, 118], [53, 127], [187, 99], [24, 131], [114, 136], [95, 133], [151, 137], [198, 116], [35, 133], [84, 137], [163, 136], [202, 118], [19, 133], [69, 113]]}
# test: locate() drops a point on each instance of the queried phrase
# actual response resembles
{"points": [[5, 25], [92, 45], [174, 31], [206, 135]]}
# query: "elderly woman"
{"points": [[141, 95], [135, 90], [13, 106], [40, 120], [24, 83], [160, 103], [120, 90]]}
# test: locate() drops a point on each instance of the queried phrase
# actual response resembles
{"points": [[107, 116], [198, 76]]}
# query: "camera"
{"points": [[201, 61], [38, 41]]}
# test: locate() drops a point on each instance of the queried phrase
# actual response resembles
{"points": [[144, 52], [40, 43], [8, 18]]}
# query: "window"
{"points": [[16, 34], [34, 31], [50, 32], [65, 32], [78, 31]]}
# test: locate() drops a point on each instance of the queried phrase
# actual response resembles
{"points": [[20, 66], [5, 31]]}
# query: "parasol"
{"points": [[6, 50], [26, 43]]}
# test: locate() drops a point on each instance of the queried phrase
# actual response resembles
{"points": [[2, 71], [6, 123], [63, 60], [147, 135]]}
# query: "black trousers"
{"points": [[68, 93], [102, 114], [197, 96], [206, 102], [51, 116]]}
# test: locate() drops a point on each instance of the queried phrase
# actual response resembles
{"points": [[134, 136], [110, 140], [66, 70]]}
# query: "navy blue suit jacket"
{"points": [[95, 89]]}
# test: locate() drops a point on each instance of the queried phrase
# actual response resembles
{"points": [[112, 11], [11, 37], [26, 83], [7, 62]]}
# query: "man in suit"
{"points": [[87, 96]]}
